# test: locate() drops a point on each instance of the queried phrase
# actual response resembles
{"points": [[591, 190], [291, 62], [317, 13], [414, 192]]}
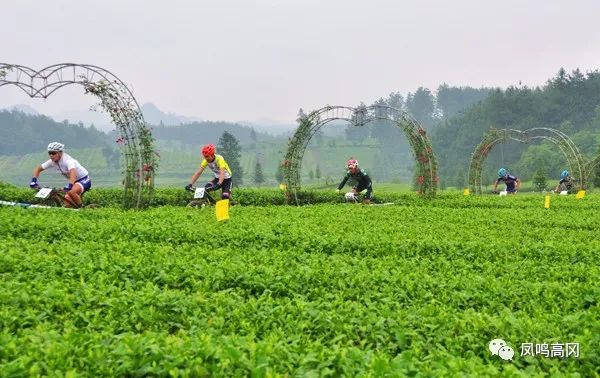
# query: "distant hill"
{"points": [[26, 109], [21, 133], [197, 133], [271, 127], [154, 116]]}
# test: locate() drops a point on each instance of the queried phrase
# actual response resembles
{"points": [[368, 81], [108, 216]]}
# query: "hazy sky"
{"points": [[248, 60]]}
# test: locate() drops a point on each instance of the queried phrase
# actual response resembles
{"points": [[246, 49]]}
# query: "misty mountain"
{"points": [[198, 133], [270, 126], [26, 109], [154, 116]]}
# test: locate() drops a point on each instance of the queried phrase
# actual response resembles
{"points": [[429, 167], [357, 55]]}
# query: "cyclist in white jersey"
{"points": [[78, 179]]}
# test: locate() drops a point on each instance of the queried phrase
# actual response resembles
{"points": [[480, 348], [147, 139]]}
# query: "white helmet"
{"points": [[55, 146]]}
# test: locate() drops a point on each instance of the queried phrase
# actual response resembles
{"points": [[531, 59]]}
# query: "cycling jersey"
{"points": [[216, 166], [363, 181], [567, 181], [510, 182], [65, 164], [566, 184]]}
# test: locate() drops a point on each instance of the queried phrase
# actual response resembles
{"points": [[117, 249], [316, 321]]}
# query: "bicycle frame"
{"points": [[54, 197], [201, 197]]}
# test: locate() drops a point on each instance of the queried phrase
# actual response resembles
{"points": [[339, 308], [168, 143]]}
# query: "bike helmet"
{"points": [[502, 172], [208, 150], [55, 146], [564, 174], [352, 163]]}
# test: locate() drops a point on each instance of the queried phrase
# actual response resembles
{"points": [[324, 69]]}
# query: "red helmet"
{"points": [[352, 163], [208, 150]]}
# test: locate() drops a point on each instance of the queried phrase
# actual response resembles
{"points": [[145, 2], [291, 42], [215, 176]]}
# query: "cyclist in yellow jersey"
{"points": [[220, 169]]}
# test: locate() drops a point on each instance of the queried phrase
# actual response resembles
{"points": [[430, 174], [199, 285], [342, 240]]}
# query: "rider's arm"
{"points": [[72, 176], [221, 176], [344, 181], [197, 174], [495, 186], [37, 171], [518, 184], [367, 180], [369, 185]]}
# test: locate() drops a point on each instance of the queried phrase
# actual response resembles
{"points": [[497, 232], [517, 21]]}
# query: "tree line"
{"points": [[569, 102], [21, 133]]}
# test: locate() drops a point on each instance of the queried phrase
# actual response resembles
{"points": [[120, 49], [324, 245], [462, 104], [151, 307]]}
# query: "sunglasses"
{"points": [[52, 152]]}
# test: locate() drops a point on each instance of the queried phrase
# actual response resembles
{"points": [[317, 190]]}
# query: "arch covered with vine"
{"points": [[591, 166], [135, 139], [426, 165], [575, 161]]}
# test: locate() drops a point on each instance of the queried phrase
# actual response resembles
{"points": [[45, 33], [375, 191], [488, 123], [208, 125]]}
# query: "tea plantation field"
{"points": [[418, 288]]}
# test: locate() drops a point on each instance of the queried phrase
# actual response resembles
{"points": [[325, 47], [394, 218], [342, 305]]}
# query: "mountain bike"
{"points": [[202, 198], [55, 197]]}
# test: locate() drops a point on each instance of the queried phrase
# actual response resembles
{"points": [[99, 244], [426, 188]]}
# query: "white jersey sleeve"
{"points": [[47, 164]]}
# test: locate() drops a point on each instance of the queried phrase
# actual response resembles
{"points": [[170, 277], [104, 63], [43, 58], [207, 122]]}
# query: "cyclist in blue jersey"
{"points": [[565, 183], [512, 182]]}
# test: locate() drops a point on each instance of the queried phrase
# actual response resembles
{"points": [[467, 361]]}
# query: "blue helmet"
{"points": [[564, 174], [501, 172]]}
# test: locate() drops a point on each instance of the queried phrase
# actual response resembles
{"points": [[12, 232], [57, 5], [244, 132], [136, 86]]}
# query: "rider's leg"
{"points": [[368, 195], [73, 196], [209, 185], [351, 196], [226, 188]]}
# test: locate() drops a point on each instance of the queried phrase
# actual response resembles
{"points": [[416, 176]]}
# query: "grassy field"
{"points": [[419, 288]]}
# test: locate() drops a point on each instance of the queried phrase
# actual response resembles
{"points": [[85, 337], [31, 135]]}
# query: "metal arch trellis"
{"points": [[496, 136], [135, 139], [308, 125], [591, 165]]}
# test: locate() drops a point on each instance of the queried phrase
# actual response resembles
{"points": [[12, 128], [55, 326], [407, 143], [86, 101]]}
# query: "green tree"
{"points": [[539, 180], [229, 147], [421, 105], [112, 157], [253, 139], [450, 101], [392, 145], [356, 134], [544, 157], [395, 100], [318, 172], [596, 173], [461, 179], [311, 174], [259, 178], [279, 173]]}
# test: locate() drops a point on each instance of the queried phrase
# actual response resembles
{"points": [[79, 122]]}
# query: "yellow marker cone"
{"points": [[580, 194], [282, 187], [222, 210], [466, 192], [547, 202]]}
